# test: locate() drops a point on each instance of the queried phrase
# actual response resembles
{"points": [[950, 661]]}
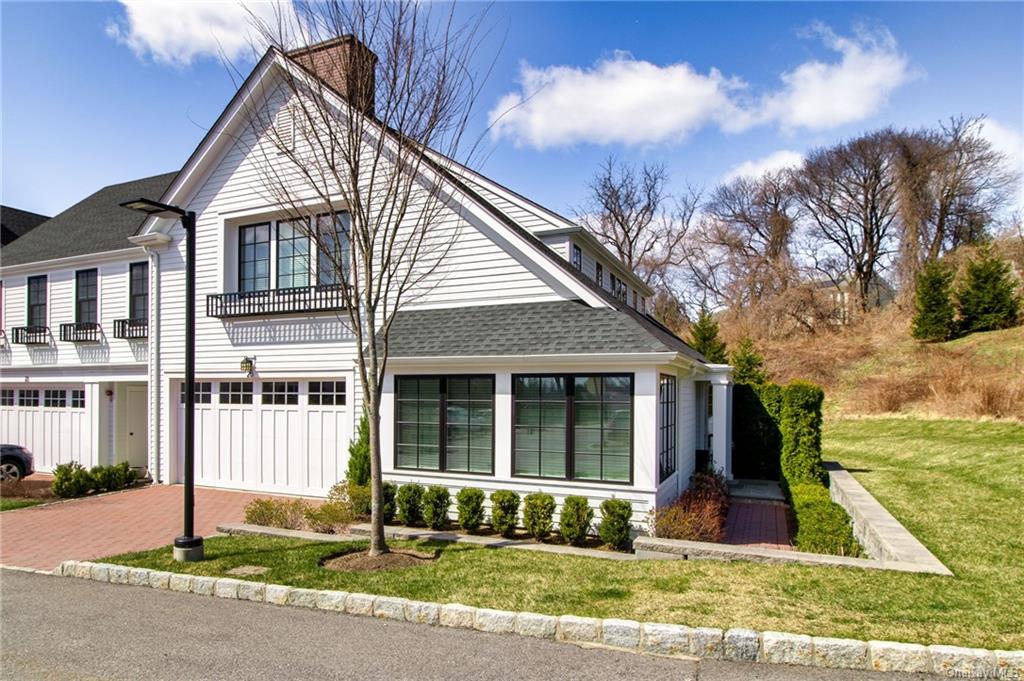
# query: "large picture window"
{"points": [[36, 315], [86, 302], [293, 253], [254, 258], [666, 427], [334, 249], [138, 290], [445, 423], [576, 427]]}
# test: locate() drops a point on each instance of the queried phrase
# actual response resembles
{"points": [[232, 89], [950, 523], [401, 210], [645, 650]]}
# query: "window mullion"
{"points": [[442, 417], [570, 426]]}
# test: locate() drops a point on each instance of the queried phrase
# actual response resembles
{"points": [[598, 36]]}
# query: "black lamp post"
{"points": [[188, 546]]}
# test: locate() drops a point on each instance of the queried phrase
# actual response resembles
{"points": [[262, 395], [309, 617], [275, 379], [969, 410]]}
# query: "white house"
{"points": [[530, 362]]}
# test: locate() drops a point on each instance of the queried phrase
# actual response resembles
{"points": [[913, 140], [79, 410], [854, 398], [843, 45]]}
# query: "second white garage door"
{"points": [[288, 436]]}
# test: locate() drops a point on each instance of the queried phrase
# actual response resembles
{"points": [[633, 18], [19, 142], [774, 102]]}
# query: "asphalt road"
{"points": [[59, 628]]}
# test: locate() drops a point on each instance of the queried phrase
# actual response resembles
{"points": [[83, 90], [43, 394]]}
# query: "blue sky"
{"points": [[709, 89]]}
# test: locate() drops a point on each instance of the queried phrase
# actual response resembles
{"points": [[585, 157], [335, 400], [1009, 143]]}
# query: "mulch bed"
{"points": [[28, 488], [362, 561]]}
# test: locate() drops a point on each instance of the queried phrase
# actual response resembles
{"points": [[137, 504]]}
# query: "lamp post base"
{"points": [[188, 549]]}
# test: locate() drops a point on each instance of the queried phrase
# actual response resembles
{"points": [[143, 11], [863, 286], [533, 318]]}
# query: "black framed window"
{"points": [[577, 257], [28, 398], [334, 248], [86, 299], [254, 257], [576, 427], [667, 432], [599, 275], [293, 253], [280, 392], [327, 393], [235, 392], [6, 397], [203, 391], [36, 301], [55, 398], [445, 423], [618, 288], [138, 290], [78, 399]]}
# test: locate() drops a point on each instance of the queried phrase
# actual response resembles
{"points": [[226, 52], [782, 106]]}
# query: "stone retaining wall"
{"points": [[738, 645]]}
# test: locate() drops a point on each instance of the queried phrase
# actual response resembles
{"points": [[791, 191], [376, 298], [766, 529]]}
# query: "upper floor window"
{"points": [[643, 305], [577, 257], [36, 301], [293, 253], [618, 288], [138, 290], [254, 257], [599, 275], [334, 248], [635, 302], [86, 299]]}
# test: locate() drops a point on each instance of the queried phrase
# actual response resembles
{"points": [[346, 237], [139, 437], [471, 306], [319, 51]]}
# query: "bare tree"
{"points": [[632, 212], [849, 196], [360, 132]]}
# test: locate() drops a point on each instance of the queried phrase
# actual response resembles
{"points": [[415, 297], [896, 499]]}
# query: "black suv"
{"points": [[15, 463]]}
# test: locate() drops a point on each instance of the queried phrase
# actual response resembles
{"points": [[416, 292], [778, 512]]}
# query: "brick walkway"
{"points": [[760, 524], [85, 529]]}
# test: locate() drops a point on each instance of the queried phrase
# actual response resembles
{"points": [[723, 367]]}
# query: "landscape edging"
{"points": [[736, 645]]}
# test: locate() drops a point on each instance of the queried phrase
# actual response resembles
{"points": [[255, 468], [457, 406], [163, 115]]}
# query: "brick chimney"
{"points": [[346, 65]]}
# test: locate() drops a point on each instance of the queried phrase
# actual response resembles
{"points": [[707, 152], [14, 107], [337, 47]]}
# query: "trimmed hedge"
{"points": [[73, 480], [822, 525], [801, 433], [504, 511], [409, 502], [575, 521], [615, 524], [757, 438], [470, 503], [436, 502], [538, 515]]}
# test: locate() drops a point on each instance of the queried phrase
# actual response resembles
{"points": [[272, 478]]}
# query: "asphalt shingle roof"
{"points": [[15, 222], [93, 225], [550, 328]]}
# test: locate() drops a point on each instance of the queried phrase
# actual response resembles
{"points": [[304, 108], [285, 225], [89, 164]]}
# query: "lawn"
{"points": [[12, 504], [955, 484]]}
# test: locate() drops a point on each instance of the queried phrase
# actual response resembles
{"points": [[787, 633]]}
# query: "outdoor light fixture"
{"points": [[188, 546], [248, 365]]}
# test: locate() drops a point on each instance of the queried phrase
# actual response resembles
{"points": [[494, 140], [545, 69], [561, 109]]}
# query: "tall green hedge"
{"points": [[801, 433], [757, 438]]}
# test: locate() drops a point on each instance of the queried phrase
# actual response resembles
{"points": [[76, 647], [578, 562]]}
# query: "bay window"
{"points": [[576, 427]]}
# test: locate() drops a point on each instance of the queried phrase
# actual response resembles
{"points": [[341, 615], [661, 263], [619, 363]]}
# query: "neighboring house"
{"points": [[15, 222], [74, 297], [842, 298], [529, 364]]}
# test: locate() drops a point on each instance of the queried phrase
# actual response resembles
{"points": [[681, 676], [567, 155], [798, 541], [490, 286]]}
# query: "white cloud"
{"points": [[773, 162], [630, 101], [1010, 143], [621, 99], [177, 33]]}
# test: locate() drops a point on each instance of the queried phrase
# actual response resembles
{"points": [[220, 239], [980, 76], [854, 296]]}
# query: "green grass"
{"points": [[954, 484], [12, 504]]}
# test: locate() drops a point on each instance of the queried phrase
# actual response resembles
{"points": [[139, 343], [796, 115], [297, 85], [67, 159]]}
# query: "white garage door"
{"points": [[286, 436], [57, 423]]}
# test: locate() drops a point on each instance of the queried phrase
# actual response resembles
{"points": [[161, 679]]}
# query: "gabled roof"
{"points": [[93, 225], [15, 223], [551, 328]]}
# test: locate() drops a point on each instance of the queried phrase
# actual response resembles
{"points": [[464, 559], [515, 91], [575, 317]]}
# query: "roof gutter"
{"points": [[72, 260]]}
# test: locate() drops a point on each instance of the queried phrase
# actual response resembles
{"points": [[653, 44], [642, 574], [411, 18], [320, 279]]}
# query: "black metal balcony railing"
{"points": [[131, 329], [80, 332], [276, 301], [30, 335]]}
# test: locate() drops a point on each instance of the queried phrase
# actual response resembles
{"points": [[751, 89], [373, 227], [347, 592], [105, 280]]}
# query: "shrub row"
{"points": [[72, 480], [822, 525]]}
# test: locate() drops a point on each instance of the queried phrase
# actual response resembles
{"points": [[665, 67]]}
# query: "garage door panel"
{"points": [[55, 435]]}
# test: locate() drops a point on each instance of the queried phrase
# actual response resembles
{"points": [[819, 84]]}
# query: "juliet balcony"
{"points": [[81, 332], [280, 301], [30, 335], [131, 329]]}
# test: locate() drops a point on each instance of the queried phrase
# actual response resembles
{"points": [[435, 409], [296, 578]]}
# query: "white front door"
{"points": [[137, 424]]}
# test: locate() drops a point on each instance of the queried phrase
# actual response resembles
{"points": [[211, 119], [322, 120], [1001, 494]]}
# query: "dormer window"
{"points": [[577, 257], [635, 300]]}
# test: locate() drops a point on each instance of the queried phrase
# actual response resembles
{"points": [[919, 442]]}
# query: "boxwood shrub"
{"points": [[409, 502], [615, 523], [538, 515], [436, 502], [801, 433], [470, 504], [822, 525], [575, 520], [389, 491], [504, 511]]}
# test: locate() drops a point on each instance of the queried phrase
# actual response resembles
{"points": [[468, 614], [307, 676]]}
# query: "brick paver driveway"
{"points": [[85, 529]]}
